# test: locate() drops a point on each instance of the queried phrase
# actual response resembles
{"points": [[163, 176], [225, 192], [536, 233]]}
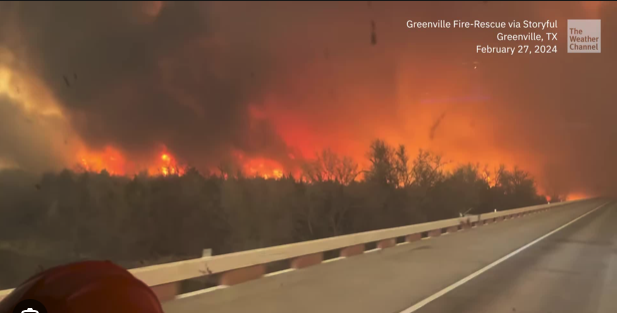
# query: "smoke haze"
{"points": [[280, 80]]}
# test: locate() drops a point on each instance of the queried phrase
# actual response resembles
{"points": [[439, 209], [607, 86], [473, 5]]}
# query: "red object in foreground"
{"points": [[88, 287]]}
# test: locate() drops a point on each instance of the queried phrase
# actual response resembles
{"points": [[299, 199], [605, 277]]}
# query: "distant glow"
{"points": [[576, 196]]}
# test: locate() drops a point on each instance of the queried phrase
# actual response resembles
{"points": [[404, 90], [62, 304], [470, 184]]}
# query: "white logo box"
{"points": [[584, 36]]}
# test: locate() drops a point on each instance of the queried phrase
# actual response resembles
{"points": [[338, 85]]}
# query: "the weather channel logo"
{"points": [[584, 36]]}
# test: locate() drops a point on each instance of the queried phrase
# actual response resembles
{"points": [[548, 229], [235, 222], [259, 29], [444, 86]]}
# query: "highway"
{"points": [[501, 267]]}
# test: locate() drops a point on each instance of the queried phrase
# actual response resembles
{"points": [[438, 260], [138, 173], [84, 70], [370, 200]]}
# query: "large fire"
{"points": [[110, 160], [165, 164], [115, 163], [303, 94], [263, 167], [168, 165], [258, 166]]}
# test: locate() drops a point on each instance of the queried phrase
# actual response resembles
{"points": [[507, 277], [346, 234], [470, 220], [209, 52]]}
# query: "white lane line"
{"points": [[334, 259], [280, 272], [442, 292], [199, 292]]}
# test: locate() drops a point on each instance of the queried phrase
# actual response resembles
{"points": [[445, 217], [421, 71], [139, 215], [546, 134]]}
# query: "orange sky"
{"points": [[206, 81]]}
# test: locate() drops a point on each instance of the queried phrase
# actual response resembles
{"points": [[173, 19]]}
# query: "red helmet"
{"points": [[89, 287]]}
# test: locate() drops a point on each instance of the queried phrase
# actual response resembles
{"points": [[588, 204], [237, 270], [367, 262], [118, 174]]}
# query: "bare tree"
{"points": [[328, 166], [402, 167], [383, 164], [229, 169], [427, 169]]}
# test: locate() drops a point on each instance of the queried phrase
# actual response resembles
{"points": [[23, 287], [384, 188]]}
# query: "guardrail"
{"points": [[239, 267]]}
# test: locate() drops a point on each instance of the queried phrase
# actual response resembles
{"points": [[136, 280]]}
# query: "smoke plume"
{"points": [[283, 80]]}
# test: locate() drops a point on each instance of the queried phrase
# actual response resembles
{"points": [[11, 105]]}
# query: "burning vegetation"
{"points": [[177, 212], [88, 94]]}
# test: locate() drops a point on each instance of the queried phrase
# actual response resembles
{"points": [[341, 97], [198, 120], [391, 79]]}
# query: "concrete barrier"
{"points": [[386, 243], [434, 233], [413, 237], [307, 260], [352, 250], [241, 275], [166, 292]]}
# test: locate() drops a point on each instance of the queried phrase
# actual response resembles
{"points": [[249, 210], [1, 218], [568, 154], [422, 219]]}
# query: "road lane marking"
{"points": [[334, 259], [280, 272], [200, 292], [444, 291]]}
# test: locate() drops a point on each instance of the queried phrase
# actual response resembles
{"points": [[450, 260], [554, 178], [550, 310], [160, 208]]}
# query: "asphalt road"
{"points": [[573, 270]]}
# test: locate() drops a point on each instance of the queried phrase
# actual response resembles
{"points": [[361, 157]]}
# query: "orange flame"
{"points": [[261, 167], [110, 159], [169, 165], [113, 161]]}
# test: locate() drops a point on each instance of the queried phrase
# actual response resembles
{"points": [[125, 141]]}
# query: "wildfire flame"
{"points": [[110, 160], [265, 168], [258, 166], [165, 164], [170, 166], [489, 180], [113, 161]]}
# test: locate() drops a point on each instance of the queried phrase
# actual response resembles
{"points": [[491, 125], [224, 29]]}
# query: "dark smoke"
{"points": [[143, 83], [191, 76]]}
